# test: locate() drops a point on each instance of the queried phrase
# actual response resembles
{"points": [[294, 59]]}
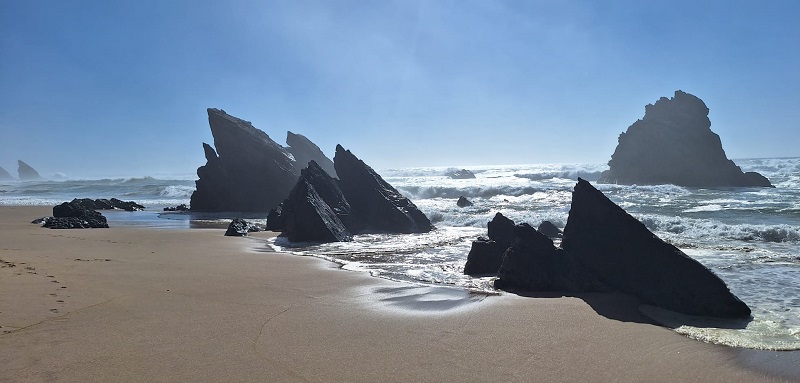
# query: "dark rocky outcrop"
{"points": [[108, 204], [533, 263], [463, 202], [486, 254], [181, 207], [27, 173], [240, 228], [316, 210], [248, 171], [461, 174], [673, 144], [305, 151], [275, 221], [72, 215], [375, 205], [622, 253], [5, 176], [550, 230]]}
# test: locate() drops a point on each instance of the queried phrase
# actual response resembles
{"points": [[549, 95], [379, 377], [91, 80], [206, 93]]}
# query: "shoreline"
{"points": [[190, 304]]}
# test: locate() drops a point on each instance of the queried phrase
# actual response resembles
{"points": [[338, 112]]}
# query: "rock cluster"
{"points": [[181, 207], [108, 204], [246, 171], [73, 215], [321, 208], [603, 249], [673, 144]]}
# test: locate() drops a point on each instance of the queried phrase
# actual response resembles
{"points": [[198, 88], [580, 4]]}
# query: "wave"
{"points": [[570, 175], [424, 192], [705, 228]]}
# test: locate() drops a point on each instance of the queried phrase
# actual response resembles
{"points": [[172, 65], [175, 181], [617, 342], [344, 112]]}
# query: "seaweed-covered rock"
{"points": [[622, 253], [673, 144], [71, 215], [376, 205]]}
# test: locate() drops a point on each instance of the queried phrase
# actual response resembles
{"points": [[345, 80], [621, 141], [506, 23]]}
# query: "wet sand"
{"points": [[136, 304]]}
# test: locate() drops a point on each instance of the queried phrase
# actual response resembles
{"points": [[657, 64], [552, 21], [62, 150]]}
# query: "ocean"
{"points": [[748, 236]]}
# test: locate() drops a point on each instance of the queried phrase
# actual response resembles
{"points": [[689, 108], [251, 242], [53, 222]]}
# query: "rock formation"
{"points": [[27, 173], [5, 176], [486, 254], [181, 207], [305, 151], [463, 202], [532, 263], [622, 253], [550, 230], [673, 144], [461, 174], [240, 228], [71, 215], [248, 171], [108, 204], [376, 205], [316, 210]]}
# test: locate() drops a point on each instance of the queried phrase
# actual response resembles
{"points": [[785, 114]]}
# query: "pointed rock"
{"points": [[376, 205], [308, 218], [622, 253], [247, 172], [5, 176], [27, 173], [486, 254], [673, 144], [305, 151]]}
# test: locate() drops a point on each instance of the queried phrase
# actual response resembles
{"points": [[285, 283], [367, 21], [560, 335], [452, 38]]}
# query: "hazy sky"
{"points": [[100, 88]]}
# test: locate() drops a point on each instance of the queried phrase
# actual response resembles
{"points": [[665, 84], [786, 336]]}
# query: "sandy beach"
{"points": [[136, 304]]}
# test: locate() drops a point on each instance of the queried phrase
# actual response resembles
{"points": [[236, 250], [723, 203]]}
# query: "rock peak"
{"points": [[26, 172]]}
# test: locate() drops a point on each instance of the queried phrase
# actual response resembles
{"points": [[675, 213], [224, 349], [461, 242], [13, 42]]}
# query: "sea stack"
{"points": [[27, 173], [5, 176], [673, 144], [305, 151]]}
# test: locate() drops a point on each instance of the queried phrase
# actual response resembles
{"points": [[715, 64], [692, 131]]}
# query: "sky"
{"points": [[92, 89]]}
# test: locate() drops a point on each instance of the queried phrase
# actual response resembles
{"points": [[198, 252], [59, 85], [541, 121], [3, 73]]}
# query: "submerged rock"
{"points": [[5, 176], [305, 151], [461, 174], [376, 205], [248, 171], [622, 253], [27, 173], [463, 202], [240, 228], [673, 144]]}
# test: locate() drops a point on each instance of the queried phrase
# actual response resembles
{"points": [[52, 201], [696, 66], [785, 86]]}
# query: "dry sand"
{"points": [[133, 304]]}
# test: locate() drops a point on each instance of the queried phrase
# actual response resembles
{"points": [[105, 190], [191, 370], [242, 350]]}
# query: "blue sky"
{"points": [[120, 88]]}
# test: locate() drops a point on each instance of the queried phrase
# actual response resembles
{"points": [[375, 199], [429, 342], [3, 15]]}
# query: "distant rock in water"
{"points": [[248, 171], [376, 205], [621, 252], [673, 144], [461, 174], [181, 207], [463, 202], [27, 173], [305, 151], [5, 176]]}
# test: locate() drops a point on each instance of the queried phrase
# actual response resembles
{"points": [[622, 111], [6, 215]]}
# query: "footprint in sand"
{"points": [[59, 301], [54, 310], [53, 294]]}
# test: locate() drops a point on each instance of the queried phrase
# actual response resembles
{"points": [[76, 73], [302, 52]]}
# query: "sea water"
{"points": [[748, 236]]}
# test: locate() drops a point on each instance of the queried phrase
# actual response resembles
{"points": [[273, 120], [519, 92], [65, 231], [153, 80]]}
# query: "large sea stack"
{"points": [[5, 176], [376, 205], [673, 144], [305, 151], [622, 253], [27, 173], [248, 171]]}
